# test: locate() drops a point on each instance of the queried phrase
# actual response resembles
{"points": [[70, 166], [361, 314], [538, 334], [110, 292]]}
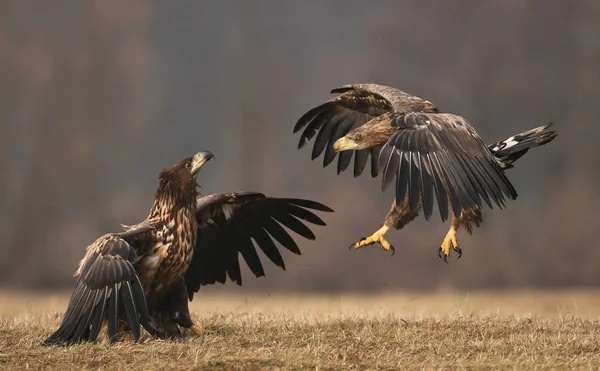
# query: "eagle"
{"points": [[430, 156], [145, 275]]}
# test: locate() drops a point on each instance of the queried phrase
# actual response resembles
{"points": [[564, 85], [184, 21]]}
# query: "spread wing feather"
{"points": [[230, 222], [336, 118], [356, 105], [441, 153], [107, 285]]}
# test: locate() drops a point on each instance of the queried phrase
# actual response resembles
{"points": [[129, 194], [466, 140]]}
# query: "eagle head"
{"points": [[373, 133], [179, 180]]}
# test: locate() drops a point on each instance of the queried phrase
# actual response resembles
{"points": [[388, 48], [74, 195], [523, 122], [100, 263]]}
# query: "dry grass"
{"points": [[518, 330]]}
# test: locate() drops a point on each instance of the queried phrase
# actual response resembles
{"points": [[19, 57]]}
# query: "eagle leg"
{"points": [[378, 236], [449, 242], [397, 217], [467, 220]]}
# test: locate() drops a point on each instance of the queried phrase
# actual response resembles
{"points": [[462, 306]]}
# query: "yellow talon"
{"points": [[375, 237], [200, 331], [450, 242]]}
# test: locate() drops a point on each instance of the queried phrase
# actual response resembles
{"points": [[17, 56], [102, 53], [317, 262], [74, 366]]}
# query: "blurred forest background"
{"points": [[96, 97]]}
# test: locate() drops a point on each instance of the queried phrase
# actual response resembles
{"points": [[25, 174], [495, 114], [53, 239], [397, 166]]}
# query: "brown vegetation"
{"points": [[521, 330]]}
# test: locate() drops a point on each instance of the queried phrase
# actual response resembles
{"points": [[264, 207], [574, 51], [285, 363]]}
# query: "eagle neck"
{"points": [[170, 199]]}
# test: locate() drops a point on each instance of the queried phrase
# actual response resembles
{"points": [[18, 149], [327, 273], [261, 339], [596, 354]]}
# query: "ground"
{"points": [[506, 330]]}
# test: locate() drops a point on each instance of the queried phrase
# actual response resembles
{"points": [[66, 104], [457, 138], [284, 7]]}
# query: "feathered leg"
{"points": [[466, 220], [397, 218], [179, 310]]}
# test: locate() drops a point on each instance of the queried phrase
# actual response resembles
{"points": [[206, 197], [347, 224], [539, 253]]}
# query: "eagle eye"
{"points": [[188, 164], [356, 138]]}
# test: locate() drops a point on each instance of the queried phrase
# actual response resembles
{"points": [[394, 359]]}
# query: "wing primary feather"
{"points": [[250, 256], [265, 243], [345, 157], [390, 170], [461, 176], [414, 190], [228, 262], [293, 224], [402, 178], [375, 154], [330, 153], [303, 214], [440, 191], [142, 304], [78, 313], [360, 161], [227, 245], [87, 311], [454, 203], [476, 179], [494, 173], [278, 233], [344, 160], [459, 195], [384, 157], [473, 177], [130, 309], [340, 130], [505, 183], [308, 117], [490, 186], [71, 312], [113, 313], [329, 124], [233, 265], [426, 185], [99, 314], [312, 125], [493, 180], [309, 204]]}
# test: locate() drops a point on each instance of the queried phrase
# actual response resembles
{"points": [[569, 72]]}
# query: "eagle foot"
{"points": [[200, 331], [377, 237], [449, 242]]}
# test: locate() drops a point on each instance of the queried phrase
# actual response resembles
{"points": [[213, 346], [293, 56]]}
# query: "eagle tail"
{"points": [[509, 150]]}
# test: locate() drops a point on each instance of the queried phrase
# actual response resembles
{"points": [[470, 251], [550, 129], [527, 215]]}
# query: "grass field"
{"points": [[509, 330]]}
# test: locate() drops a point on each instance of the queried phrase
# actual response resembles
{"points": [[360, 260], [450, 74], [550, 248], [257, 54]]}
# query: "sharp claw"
{"points": [[440, 252], [445, 259], [459, 251], [354, 245], [393, 250]]}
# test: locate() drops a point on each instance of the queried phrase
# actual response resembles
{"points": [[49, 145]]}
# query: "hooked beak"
{"points": [[200, 159], [342, 144]]}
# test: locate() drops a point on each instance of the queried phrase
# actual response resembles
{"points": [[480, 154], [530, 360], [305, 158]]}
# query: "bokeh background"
{"points": [[96, 97]]}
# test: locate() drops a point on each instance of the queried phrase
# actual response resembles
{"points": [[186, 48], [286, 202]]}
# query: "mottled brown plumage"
{"points": [[431, 157], [145, 275]]}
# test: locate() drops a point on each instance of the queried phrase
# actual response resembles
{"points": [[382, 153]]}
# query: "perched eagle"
{"points": [[430, 155], [146, 274]]}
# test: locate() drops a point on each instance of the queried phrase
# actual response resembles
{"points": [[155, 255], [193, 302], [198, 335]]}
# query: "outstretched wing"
{"points": [[442, 154], [357, 105], [107, 286], [227, 224], [336, 118]]}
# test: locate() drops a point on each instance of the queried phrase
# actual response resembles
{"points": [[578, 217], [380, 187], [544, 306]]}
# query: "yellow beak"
{"points": [[341, 144], [200, 159]]}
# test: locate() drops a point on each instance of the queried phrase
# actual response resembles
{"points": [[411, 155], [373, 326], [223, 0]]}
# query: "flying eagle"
{"points": [[429, 155], [146, 274]]}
